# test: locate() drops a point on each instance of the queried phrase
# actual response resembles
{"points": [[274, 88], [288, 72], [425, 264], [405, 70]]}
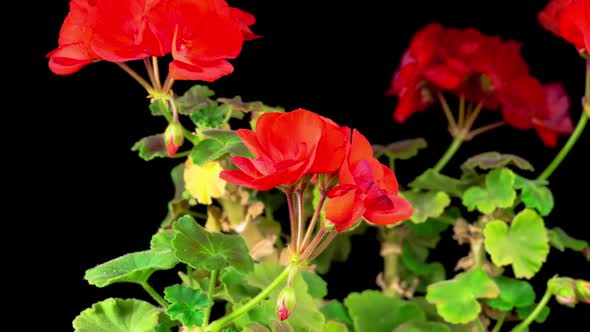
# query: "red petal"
{"points": [[344, 207], [401, 211], [203, 71]]}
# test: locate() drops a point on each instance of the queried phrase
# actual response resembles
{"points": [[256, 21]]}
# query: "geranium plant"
{"points": [[267, 198]]}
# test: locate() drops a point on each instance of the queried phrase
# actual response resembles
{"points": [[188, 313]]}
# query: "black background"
{"points": [[94, 199]]}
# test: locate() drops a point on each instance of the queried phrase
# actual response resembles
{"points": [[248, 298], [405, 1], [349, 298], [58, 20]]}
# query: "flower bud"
{"points": [[173, 137], [564, 291], [286, 303], [583, 290]]}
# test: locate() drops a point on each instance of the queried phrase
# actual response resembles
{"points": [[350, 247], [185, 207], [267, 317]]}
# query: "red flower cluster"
{"points": [[482, 69], [200, 35], [289, 146], [570, 20]]}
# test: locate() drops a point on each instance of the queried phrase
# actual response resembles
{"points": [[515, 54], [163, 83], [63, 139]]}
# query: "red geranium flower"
{"points": [[408, 82], [570, 20], [528, 104], [200, 34], [286, 147], [367, 189], [75, 35]]}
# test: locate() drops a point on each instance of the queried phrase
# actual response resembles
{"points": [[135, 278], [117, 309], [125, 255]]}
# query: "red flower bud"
{"points": [[564, 291], [286, 303], [173, 138]]}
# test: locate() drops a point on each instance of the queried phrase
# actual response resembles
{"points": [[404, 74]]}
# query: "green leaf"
{"points": [[317, 287], [332, 326], [186, 304], [513, 293], [218, 143], [495, 160], [151, 147], [560, 240], [212, 116], [456, 299], [117, 315], [435, 226], [305, 317], [233, 288], [524, 312], [524, 244], [194, 99], [427, 204], [417, 326], [535, 195], [414, 262], [403, 150], [375, 312], [498, 192], [336, 311], [200, 249], [135, 267], [434, 181]]}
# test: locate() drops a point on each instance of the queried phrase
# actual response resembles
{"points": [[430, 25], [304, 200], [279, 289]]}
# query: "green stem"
{"points": [[480, 324], [499, 322], [574, 137], [157, 297], [449, 153], [136, 76], [531, 317], [314, 219], [210, 291], [182, 154], [189, 275], [218, 324], [292, 219], [448, 112]]}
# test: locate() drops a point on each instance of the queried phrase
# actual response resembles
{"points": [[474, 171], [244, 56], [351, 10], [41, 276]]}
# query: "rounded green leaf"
{"points": [[456, 299], [336, 311], [493, 159], [186, 304], [117, 315], [513, 293], [375, 312], [498, 192], [535, 195], [137, 266], [524, 243], [427, 204], [201, 249], [415, 326]]}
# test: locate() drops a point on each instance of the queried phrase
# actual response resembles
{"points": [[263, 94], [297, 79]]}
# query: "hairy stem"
{"points": [[314, 243], [156, 70], [320, 248], [157, 297], [575, 135], [292, 219], [137, 77], [300, 218], [218, 324], [531, 317], [499, 322], [210, 291], [485, 128], [447, 111], [314, 219], [150, 71], [457, 141]]}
